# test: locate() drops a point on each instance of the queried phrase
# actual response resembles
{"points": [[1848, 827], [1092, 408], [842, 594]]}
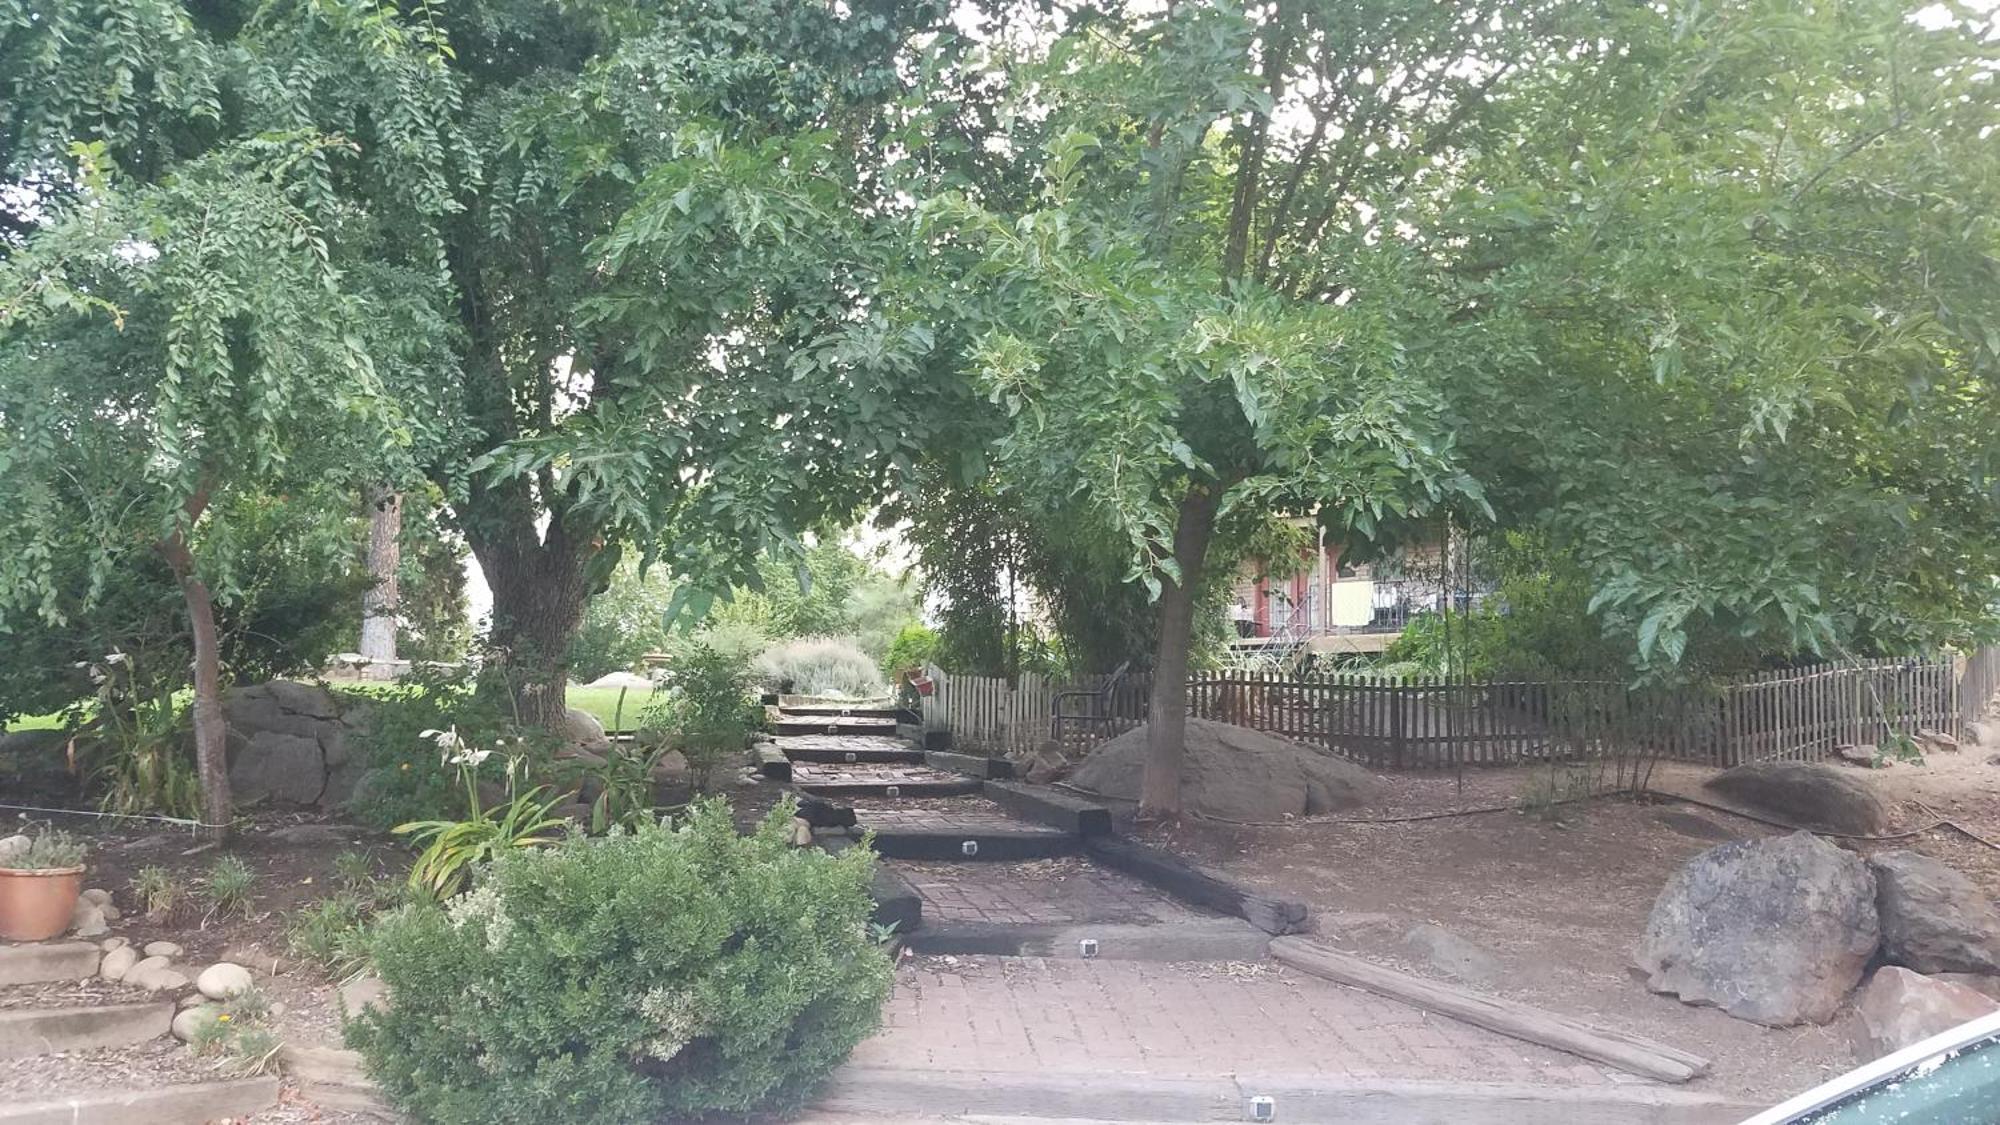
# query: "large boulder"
{"points": [[1234, 773], [278, 767], [1808, 794], [293, 743], [1899, 1008], [1934, 920], [1775, 930]]}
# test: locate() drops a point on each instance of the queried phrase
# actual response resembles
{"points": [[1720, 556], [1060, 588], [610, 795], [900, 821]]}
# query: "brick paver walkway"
{"points": [[1044, 891], [841, 742], [1148, 1017]]}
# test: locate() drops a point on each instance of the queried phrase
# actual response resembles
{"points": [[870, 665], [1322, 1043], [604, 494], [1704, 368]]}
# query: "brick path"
{"points": [[841, 742], [1046, 891], [868, 773], [1145, 1017], [942, 814]]}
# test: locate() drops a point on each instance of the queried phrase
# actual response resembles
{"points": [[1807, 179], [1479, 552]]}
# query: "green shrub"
{"points": [[678, 969], [820, 666], [916, 645], [705, 710], [331, 934]]}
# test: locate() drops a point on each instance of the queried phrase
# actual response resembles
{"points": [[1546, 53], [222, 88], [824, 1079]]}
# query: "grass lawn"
{"points": [[35, 722], [603, 702]]}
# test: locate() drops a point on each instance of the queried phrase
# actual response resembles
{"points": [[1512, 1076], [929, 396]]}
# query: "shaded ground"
{"points": [[1561, 904]]}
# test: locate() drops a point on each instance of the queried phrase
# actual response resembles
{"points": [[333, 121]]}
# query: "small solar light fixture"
{"points": [[1263, 1107], [852, 757], [969, 847], [893, 791], [1087, 948], [833, 728]]}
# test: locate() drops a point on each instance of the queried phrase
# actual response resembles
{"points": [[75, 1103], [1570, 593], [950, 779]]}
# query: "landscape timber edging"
{"points": [[1175, 876], [26, 1032], [879, 1093], [971, 765], [187, 1104], [1631, 1053], [1200, 939], [1053, 807], [33, 964]]}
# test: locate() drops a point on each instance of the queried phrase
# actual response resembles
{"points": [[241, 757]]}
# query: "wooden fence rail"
{"points": [[1434, 722]]}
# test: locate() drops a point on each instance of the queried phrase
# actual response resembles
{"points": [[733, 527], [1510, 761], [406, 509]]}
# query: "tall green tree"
{"points": [[1372, 261], [605, 260]]}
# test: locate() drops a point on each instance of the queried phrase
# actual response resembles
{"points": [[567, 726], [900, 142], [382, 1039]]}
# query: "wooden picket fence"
{"points": [[1434, 722]]}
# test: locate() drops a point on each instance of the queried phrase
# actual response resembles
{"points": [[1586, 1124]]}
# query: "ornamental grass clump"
{"points": [[674, 970]]}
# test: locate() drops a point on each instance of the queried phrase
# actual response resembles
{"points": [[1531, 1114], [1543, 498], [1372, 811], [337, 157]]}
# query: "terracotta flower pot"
{"points": [[36, 905]]}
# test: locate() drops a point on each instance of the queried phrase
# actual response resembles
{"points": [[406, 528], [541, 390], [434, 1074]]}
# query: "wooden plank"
{"points": [[1630, 1053], [1170, 874]]}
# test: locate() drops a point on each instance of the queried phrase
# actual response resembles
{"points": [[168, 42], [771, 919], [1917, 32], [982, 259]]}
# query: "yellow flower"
{"points": [[223, 1018], [406, 765]]}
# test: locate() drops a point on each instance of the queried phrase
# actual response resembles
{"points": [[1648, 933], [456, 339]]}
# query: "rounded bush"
{"points": [[678, 970]]}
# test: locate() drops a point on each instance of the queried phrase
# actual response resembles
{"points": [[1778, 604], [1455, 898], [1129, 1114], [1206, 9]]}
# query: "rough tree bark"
{"points": [[385, 554], [541, 586], [211, 731], [1166, 719]]}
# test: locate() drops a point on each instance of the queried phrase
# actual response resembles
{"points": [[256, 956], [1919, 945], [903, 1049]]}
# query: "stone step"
{"points": [[47, 961], [46, 1031], [833, 725], [833, 789], [334, 1078], [858, 755], [835, 711], [191, 1104], [987, 844]]}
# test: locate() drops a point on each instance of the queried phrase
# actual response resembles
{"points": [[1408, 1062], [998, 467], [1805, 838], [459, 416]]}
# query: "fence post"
{"points": [[1395, 697]]}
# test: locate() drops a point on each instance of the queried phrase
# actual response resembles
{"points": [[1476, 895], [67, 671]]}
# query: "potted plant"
{"points": [[40, 878]]}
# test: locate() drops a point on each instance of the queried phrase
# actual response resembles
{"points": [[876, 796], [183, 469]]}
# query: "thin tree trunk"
{"points": [[385, 554], [211, 731], [1166, 720]]}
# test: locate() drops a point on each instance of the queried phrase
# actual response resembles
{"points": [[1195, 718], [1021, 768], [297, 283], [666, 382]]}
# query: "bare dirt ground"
{"points": [[1561, 903]]}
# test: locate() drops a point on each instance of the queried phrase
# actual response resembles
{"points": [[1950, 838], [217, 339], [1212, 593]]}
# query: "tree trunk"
{"points": [[211, 730], [539, 595], [385, 554], [1166, 719]]}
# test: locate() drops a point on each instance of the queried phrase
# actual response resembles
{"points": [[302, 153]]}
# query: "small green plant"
{"points": [[49, 849], [696, 970], [332, 934], [452, 848], [238, 1035], [228, 887], [159, 892], [625, 781], [354, 871], [1898, 746], [143, 755]]}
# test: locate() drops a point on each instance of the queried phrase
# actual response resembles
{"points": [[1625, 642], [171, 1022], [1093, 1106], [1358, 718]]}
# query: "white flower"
{"points": [[468, 757], [115, 657], [433, 733]]}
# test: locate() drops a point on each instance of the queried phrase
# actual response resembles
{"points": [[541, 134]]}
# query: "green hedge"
{"points": [[679, 970]]}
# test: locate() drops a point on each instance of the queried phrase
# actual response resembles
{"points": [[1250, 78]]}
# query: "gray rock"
{"points": [[580, 730], [117, 963], [161, 977], [280, 767], [1234, 773], [1934, 920], [1899, 1008], [1985, 985], [1807, 794], [362, 993], [97, 895], [110, 911], [1864, 756], [86, 919], [163, 949], [111, 943], [1984, 733], [150, 962], [1776, 931], [189, 1021], [12, 846], [1453, 955], [223, 980]]}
